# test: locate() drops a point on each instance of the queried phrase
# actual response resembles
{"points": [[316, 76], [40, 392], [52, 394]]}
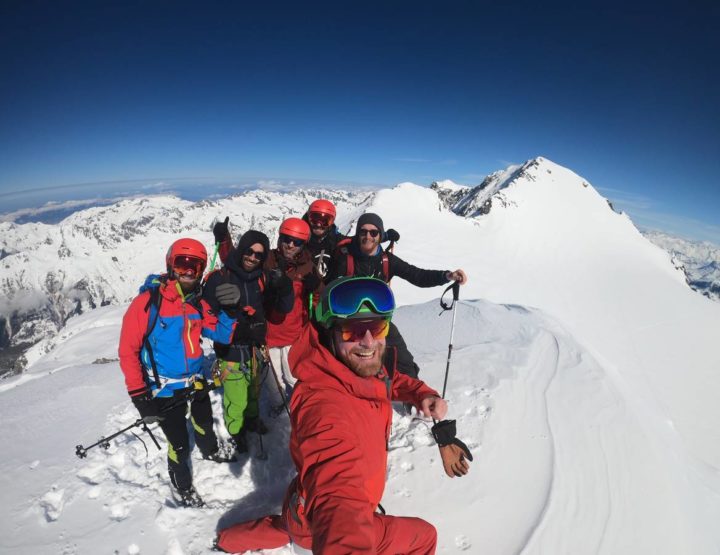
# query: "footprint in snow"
{"points": [[52, 503], [118, 511], [462, 543]]}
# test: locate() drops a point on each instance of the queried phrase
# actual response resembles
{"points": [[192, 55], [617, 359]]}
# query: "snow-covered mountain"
{"points": [[584, 378], [100, 255], [699, 259]]}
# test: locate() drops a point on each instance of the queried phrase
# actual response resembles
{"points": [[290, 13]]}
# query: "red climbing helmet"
{"points": [[296, 228], [186, 254], [324, 208]]}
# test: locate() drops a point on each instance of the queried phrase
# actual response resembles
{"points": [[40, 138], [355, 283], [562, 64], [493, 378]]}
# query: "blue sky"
{"points": [[368, 92]]}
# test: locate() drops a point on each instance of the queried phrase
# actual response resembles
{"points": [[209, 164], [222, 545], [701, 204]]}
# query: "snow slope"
{"points": [[583, 378], [554, 443]]}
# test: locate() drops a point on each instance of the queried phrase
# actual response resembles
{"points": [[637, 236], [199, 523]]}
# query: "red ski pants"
{"points": [[393, 535]]}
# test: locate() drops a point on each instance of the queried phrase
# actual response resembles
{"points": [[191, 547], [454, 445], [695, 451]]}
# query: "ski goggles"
{"points": [[292, 240], [347, 297], [356, 330], [320, 220], [188, 266]]}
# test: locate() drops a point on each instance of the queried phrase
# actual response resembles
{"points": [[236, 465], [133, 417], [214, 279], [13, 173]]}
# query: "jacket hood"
{"points": [[153, 281], [317, 366], [251, 237], [234, 260]]}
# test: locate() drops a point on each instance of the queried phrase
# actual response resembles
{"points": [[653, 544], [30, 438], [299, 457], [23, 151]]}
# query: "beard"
{"points": [[364, 367]]}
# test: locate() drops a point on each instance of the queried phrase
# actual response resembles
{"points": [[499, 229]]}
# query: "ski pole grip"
{"points": [[456, 290]]}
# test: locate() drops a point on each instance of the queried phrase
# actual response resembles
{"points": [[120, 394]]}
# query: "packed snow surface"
{"points": [[583, 378]]}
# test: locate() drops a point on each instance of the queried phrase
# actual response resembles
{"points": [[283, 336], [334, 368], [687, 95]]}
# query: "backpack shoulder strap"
{"points": [[153, 309], [386, 267]]}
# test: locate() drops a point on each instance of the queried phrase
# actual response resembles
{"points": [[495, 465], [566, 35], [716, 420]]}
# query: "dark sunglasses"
{"points": [[320, 220], [371, 232], [257, 255], [355, 330], [296, 242]]}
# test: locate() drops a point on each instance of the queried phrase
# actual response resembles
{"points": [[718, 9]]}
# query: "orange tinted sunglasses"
{"points": [[355, 330]]}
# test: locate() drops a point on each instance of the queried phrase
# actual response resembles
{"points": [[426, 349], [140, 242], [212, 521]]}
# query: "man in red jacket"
{"points": [[341, 420], [162, 359], [291, 258]]}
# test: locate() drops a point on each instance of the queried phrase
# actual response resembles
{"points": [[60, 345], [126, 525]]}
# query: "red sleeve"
{"points": [[410, 390], [337, 505], [225, 248], [134, 325]]}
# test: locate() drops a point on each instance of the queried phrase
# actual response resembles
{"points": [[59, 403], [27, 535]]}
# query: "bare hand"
{"points": [[434, 406], [458, 275]]}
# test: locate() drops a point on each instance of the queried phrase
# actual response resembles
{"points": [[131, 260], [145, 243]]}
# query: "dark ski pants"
{"points": [[175, 428], [397, 356], [393, 534]]}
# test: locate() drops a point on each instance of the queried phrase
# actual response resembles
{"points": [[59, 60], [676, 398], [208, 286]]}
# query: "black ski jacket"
{"points": [[257, 297], [372, 266], [323, 250]]}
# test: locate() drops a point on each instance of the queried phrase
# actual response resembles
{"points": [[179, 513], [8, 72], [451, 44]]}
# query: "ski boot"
{"points": [[223, 454], [189, 498], [240, 442]]}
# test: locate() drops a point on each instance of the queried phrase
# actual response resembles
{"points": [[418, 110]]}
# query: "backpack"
{"points": [[350, 262]]}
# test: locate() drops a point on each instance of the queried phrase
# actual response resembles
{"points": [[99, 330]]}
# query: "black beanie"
{"points": [[372, 219]]}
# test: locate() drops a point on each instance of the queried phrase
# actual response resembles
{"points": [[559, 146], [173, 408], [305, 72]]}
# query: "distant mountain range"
{"points": [[699, 260], [98, 256]]}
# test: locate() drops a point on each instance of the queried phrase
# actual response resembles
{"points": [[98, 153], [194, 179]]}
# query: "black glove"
{"points": [[148, 408], [227, 294], [452, 451], [221, 231], [250, 330], [279, 282], [392, 235], [310, 282]]}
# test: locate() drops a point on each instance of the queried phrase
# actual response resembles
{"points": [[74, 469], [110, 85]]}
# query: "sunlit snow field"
{"points": [[584, 379]]}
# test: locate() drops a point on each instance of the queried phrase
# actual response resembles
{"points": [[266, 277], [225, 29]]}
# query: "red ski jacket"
{"points": [[340, 429], [284, 328], [175, 339]]}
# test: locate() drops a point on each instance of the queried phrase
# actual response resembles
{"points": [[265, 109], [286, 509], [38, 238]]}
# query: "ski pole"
{"points": [[104, 442], [455, 286], [214, 257]]}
